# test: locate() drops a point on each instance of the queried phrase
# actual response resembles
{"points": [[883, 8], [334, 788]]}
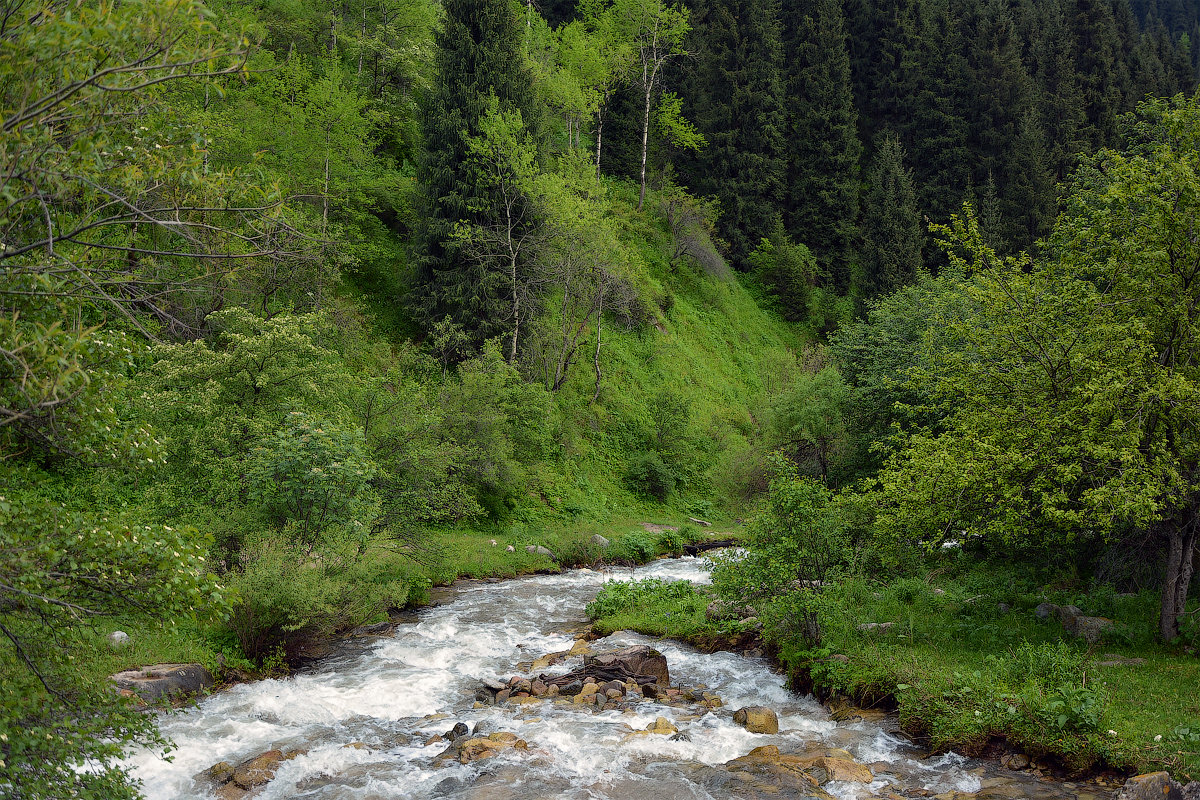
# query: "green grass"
{"points": [[963, 674], [673, 609]]}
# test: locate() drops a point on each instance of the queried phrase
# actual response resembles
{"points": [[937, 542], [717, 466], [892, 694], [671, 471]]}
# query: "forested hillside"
{"points": [[301, 298]]}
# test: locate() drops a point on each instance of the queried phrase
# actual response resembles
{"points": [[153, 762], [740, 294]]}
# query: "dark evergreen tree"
{"points": [[1029, 186], [823, 148], [892, 238], [1104, 77], [479, 57], [731, 87], [1060, 103], [936, 131]]}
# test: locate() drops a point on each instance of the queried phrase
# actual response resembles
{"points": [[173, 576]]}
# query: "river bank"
{"points": [[946, 694], [378, 720]]}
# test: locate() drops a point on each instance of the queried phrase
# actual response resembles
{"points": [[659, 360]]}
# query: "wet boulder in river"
{"points": [[164, 680], [631, 662], [757, 719]]}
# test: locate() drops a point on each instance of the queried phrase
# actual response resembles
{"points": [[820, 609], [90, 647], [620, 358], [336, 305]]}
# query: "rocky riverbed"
{"points": [[497, 694]]}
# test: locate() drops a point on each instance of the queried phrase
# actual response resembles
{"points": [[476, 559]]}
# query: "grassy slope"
{"points": [[715, 348]]}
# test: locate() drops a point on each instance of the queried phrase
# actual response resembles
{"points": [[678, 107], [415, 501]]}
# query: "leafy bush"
{"points": [[652, 606], [286, 596], [648, 475], [637, 548], [314, 473]]}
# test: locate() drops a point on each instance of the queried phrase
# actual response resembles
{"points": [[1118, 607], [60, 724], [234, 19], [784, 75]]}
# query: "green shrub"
{"points": [[649, 476], [637, 548], [285, 596], [314, 473], [672, 542]]}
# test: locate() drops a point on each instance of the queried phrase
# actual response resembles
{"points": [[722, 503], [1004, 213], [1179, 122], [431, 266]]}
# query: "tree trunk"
{"points": [[645, 142], [599, 322], [516, 298], [1181, 549], [599, 131]]}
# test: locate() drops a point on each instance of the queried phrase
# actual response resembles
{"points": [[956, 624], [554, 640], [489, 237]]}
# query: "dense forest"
{"points": [[297, 294]]}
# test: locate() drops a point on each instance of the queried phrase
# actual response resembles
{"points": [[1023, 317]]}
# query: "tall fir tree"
{"points": [[936, 131], [1104, 77], [1059, 95], [732, 87], [823, 149], [479, 56], [890, 249]]}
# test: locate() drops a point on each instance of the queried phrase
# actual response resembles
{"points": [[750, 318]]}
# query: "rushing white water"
{"points": [[361, 720]]}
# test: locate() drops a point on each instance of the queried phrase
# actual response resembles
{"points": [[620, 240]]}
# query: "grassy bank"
{"points": [[966, 673], [447, 556]]}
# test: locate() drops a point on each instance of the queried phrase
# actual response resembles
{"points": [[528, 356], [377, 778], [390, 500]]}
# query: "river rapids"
{"points": [[360, 720]]}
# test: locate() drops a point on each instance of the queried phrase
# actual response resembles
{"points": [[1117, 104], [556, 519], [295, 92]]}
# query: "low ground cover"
{"points": [[970, 670]]}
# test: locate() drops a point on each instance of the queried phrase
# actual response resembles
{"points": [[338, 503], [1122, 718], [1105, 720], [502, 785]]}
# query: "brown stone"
{"points": [[221, 772], [632, 661], [663, 726], [757, 719], [258, 770]]}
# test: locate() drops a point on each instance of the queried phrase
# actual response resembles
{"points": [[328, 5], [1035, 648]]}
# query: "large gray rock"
{"points": [[1090, 629], [118, 639], [599, 540], [164, 681], [1074, 622], [538, 550], [1045, 610], [636, 660], [1151, 786]]}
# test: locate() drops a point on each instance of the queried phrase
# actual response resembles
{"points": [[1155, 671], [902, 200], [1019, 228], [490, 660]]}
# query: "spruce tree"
{"points": [[732, 87], [890, 249], [478, 57], [823, 148], [936, 131]]}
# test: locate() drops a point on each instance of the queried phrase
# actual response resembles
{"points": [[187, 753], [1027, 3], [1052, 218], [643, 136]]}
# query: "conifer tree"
{"points": [[732, 86], [478, 58], [890, 250], [936, 129], [823, 148]]}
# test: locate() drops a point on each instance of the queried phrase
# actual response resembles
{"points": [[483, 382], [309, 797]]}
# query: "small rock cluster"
{"points": [[235, 783], [1074, 622], [606, 681]]}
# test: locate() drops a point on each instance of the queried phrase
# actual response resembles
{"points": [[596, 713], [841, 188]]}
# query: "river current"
{"points": [[362, 719]]}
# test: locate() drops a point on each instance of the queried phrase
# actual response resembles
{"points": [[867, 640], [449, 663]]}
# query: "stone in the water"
{"points": [[636, 660], [164, 680], [663, 726], [258, 770], [221, 772], [1151, 786], [757, 719]]}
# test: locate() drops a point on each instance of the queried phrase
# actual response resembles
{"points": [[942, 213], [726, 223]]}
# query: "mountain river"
{"points": [[360, 720]]}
